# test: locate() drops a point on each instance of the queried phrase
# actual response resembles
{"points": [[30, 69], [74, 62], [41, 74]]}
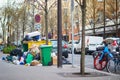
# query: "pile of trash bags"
{"points": [[32, 57], [29, 58]]}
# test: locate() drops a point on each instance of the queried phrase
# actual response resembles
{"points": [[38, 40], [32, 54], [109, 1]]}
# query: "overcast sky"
{"points": [[4, 2]]}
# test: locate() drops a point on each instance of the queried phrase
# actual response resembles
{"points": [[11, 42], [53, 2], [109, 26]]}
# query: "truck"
{"points": [[91, 43]]}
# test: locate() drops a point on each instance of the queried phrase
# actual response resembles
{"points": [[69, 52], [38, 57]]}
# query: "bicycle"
{"points": [[101, 60], [106, 59], [113, 65]]}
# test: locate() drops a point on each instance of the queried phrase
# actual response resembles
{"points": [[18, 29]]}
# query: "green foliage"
{"points": [[8, 49]]}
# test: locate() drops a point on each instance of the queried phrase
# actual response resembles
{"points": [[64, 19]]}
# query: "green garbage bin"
{"points": [[25, 47], [46, 55]]}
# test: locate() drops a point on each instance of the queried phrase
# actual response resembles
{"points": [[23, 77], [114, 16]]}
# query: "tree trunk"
{"points": [[83, 8], [4, 33], [94, 17], [116, 20], [46, 22], [24, 20]]}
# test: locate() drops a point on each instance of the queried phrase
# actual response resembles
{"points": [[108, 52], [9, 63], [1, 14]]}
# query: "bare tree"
{"points": [[52, 21], [112, 12], [7, 13], [3, 22], [92, 13], [82, 4]]}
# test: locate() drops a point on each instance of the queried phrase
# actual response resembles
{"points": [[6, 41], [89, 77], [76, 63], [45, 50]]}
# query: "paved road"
{"points": [[76, 60]]}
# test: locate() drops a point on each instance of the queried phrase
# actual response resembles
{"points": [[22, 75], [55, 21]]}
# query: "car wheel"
{"points": [[86, 51], [75, 51]]}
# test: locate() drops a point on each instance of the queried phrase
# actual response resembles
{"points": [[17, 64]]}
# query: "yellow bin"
{"points": [[28, 44]]}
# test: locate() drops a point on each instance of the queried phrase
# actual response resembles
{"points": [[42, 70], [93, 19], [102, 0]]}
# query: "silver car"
{"points": [[65, 49]]}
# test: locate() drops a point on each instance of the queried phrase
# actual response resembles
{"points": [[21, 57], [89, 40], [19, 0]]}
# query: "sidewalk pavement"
{"points": [[67, 72]]}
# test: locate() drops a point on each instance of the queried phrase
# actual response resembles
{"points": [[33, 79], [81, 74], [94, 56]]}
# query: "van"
{"points": [[91, 43]]}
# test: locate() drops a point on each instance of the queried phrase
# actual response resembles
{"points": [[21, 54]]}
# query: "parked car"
{"points": [[75, 42], [91, 43], [65, 50]]}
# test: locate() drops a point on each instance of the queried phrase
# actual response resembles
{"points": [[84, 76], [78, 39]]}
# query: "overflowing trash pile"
{"points": [[35, 36], [31, 55], [29, 58]]}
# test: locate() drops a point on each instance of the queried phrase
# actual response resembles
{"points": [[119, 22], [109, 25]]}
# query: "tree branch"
{"points": [[52, 5]]}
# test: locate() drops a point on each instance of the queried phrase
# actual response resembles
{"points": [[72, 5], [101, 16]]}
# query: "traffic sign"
{"points": [[37, 18]]}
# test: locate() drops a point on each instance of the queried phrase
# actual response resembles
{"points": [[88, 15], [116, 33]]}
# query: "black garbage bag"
{"points": [[37, 56], [9, 58], [16, 52]]}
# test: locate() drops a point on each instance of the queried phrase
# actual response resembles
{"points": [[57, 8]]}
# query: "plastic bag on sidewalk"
{"points": [[29, 58]]}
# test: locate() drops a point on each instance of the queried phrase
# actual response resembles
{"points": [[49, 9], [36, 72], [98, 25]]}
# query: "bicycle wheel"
{"points": [[111, 66], [118, 68], [100, 64]]}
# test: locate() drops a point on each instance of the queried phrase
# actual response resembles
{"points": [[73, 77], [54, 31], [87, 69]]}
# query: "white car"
{"points": [[75, 42], [91, 43]]}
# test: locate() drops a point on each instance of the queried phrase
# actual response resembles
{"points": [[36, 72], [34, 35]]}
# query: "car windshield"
{"points": [[54, 43]]}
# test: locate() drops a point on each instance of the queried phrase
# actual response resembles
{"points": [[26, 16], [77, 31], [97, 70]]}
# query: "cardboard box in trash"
{"points": [[54, 58]]}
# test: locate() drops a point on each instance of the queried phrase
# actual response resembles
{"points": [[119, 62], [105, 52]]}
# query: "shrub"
{"points": [[8, 49]]}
